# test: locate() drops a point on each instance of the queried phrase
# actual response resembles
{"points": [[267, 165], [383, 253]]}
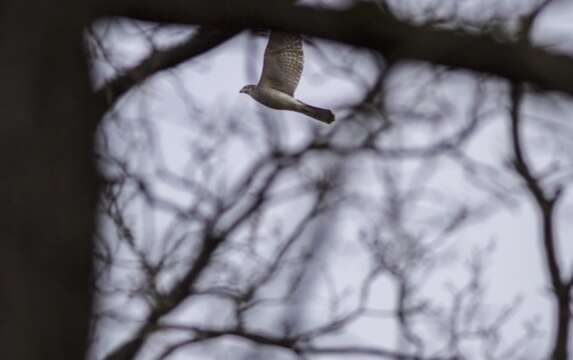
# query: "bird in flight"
{"points": [[282, 68]]}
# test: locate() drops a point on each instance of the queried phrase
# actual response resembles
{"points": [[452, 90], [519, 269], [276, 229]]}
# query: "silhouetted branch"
{"points": [[200, 42], [364, 24], [545, 204]]}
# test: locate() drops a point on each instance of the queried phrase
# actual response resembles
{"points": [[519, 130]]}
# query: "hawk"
{"points": [[282, 68]]}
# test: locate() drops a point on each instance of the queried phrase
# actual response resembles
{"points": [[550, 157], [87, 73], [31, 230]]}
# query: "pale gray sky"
{"points": [[516, 267]]}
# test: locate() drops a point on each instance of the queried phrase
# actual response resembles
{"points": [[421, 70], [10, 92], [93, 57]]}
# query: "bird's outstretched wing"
{"points": [[283, 63]]}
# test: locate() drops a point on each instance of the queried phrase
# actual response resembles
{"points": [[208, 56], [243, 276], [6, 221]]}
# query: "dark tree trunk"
{"points": [[48, 184]]}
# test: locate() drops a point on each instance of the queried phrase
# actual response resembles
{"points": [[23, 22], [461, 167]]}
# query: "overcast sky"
{"points": [[515, 268]]}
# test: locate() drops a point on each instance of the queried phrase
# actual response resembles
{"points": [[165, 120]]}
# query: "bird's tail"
{"points": [[323, 115]]}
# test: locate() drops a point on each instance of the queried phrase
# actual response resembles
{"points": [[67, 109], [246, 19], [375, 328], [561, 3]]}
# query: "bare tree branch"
{"points": [[204, 40], [546, 204], [364, 24]]}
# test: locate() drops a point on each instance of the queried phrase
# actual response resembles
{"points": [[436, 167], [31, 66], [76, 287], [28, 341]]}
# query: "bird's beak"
{"points": [[242, 91]]}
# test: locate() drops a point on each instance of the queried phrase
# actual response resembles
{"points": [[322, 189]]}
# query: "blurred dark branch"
{"points": [[202, 41], [365, 24], [528, 21], [288, 343], [546, 208], [343, 351], [259, 338], [215, 234], [546, 203]]}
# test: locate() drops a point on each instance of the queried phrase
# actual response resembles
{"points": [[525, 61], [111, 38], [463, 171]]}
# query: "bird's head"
{"points": [[248, 89]]}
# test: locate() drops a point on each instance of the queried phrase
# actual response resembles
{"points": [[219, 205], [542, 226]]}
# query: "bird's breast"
{"points": [[276, 99]]}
